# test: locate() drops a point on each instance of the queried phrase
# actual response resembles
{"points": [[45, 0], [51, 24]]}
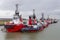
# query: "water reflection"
{"points": [[20, 36], [13, 36]]}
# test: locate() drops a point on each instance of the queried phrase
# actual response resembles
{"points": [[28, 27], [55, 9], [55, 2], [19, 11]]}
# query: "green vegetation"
{"points": [[3, 21]]}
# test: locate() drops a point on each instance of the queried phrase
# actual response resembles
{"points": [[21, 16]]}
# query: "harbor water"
{"points": [[52, 32]]}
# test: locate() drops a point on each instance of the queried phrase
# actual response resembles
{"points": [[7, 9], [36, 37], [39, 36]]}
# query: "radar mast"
{"points": [[17, 11]]}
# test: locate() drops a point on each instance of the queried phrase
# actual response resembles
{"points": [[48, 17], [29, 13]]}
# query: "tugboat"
{"points": [[33, 25], [44, 21], [49, 21], [55, 21], [17, 25]]}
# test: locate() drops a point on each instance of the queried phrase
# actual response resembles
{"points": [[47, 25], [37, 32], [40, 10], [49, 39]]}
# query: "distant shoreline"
{"points": [[1, 24]]}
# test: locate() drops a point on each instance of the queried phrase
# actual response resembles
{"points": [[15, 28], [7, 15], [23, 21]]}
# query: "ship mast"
{"points": [[42, 17], [48, 16], [17, 11], [34, 16]]}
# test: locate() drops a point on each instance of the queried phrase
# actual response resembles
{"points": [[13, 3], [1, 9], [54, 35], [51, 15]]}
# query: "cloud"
{"points": [[48, 7], [9, 14], [6, 14], [28, 5]]}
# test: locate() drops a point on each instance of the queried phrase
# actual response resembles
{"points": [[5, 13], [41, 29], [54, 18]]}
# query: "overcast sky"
{"points": [[48, 7]]}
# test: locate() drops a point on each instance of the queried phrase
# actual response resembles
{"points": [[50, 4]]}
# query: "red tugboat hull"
{"points": [[14, 28]]}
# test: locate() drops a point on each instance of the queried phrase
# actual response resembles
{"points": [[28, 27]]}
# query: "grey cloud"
{"points": [[46, 6]]}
